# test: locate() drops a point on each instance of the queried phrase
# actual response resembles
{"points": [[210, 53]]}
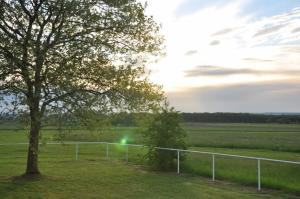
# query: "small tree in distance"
{"points": [[164, 130]]}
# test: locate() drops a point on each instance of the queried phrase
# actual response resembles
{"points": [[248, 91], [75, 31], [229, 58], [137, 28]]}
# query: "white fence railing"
{"points": [[213, 154]]}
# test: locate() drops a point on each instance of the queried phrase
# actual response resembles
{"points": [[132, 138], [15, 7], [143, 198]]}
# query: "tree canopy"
{"points": [[75, 56]]}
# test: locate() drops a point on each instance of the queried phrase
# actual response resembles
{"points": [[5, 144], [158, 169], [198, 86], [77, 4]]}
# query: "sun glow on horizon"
{"points": [[225, 39]]}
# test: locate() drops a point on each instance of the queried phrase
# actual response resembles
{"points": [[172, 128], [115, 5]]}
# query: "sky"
{"points": [[229, 55]]}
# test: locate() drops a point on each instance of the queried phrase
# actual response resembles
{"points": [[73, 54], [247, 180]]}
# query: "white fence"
{"points": [[213, 155]]}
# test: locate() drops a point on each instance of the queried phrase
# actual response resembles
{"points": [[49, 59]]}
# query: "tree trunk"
{"points": [[32, 157]]}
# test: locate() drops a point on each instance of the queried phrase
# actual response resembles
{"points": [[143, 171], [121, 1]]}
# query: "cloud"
{"points": [[222, 32], [291, 49], [214, 42], [296, 30], [209, 70], [269, 30], [269, 96], [225, 41], [191, 52], [250, 59]]}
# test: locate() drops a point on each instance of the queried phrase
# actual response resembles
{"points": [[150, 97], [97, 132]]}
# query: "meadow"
{"points": [[261, 140], [99, 178]]}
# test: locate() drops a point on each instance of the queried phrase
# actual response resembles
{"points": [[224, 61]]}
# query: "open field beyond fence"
{"points": [[239, 139]]}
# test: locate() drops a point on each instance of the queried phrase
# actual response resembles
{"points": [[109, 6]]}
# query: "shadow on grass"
{"points": [[21, 183]]}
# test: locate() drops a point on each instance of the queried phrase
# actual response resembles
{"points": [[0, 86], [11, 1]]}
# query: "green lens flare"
{"points": [[123, 141]]}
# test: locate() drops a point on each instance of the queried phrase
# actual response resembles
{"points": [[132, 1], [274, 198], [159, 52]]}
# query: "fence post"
{"points": [[178, 162], [126, 154], [213, 167], [76, 152], [258, 175], [107, 151]]}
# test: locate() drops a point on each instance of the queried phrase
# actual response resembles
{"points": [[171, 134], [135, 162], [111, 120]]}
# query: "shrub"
{"points": [[164, 130]]}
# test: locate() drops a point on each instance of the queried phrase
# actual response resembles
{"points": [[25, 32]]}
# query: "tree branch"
{"points": [[24, 8], [68, 94]]}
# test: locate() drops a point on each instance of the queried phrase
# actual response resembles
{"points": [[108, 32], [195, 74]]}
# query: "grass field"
{"points": [[100, 180], [94, 177], [278, 137], [270, 141]]}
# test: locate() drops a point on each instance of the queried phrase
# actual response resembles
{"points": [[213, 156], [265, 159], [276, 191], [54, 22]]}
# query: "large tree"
{"points": [[71, 55]]}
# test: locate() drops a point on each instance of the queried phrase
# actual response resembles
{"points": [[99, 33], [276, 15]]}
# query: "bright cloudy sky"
{"points": [[229, 55]]}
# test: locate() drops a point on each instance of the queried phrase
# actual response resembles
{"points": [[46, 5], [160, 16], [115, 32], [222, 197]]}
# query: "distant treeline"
{"points": [[240, 118], [130, 119]]}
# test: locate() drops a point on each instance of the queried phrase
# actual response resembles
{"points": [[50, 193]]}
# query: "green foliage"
{"points": [[164, 130], [77, 56]]}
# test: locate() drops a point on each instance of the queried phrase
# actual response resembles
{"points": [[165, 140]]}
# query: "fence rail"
{"points": [[213, 155]]}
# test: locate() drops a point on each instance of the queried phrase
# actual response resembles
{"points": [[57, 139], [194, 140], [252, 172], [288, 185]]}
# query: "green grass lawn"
{"points": [[64, 177], [261, 140], [274, 175]]}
